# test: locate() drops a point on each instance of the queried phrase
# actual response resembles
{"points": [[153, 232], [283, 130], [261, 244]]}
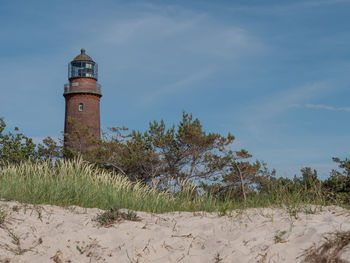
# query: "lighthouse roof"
{"points": [[82, 56]]}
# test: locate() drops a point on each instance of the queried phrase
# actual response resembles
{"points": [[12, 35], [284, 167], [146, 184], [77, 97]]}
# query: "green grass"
{"points": [[79, 183]]}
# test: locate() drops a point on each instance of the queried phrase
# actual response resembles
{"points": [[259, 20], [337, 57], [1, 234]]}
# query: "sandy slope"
{"points": [[55, 234]]}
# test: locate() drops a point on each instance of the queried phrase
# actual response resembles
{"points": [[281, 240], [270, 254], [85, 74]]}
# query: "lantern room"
{"points": [[82, 67]]}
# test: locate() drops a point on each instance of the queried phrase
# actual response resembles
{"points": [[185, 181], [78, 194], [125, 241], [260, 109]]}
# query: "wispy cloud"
{"points": [[182, 48], [177, 32], [282, 8], [126, 31], [324, 2], [260, 113], [320, 106], [190, 82]]}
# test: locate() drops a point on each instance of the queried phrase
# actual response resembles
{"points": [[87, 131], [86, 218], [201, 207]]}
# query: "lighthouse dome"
{"points": [[83, 57]]}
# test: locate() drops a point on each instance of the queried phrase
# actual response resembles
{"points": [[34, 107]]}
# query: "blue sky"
{"points": [[273, 73]]}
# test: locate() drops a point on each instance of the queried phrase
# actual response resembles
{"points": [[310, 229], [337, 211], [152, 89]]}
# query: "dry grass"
{"points": [[3, 215], [330, 250], [113, 215]]}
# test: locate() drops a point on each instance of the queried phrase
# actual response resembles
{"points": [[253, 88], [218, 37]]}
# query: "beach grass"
{"points": [[76, 182]]}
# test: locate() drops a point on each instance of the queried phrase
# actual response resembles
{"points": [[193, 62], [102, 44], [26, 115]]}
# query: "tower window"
{"points": [[81, 107]]}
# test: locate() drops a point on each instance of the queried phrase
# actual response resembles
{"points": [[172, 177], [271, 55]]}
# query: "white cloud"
{"points": [[320, 106], [180, 48], [175, 32], [260, 113], [324, 2], [283, 8], [145, 28], [276, 103], [181, 86]]}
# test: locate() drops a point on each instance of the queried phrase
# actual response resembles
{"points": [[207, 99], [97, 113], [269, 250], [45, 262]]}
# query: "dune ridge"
{"points": [[45, 233]]}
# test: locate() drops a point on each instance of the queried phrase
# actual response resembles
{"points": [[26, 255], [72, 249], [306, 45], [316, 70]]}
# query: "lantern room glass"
{"points": [[82, 69]]}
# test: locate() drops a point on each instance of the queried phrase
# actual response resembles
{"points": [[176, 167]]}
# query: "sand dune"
{"points": [[55, 234]]}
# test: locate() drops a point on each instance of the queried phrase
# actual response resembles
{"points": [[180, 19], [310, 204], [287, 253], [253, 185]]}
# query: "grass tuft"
{"points": [[217, 258], [3, 215], [278, 238], [330, 250], [112, 215]]}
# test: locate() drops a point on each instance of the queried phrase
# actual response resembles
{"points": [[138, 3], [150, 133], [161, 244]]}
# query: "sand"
{"points": [[55, 234]]}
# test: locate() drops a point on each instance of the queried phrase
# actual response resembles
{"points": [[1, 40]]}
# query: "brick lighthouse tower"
{"points": [[82, 95]]}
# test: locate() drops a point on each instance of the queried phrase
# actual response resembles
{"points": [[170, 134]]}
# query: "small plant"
{"points": [[217, 258], [38, 210], [278, 238], [292, 211], [79, 249], [112, 215], [130, 215], [267, 215], [310, 211], [107, 218], [222, 211], [15, 208], [2, 216], [15, 240]]}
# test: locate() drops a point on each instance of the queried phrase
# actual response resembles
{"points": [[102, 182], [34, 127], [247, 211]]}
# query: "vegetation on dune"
{"points": [[109, 217], [162, 169], [76, 182], [181, 168]]}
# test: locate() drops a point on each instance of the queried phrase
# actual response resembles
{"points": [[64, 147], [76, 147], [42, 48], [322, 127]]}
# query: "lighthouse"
{"points": [[82, 95]]}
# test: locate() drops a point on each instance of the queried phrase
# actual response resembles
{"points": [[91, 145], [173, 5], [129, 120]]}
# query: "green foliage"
{"points": [[49, 149], [78, 183], [74, 182], [14, 146], [130, 155], [238, 177], [187, 151], [336, 183], [199, 169], [162, 155], [344, 164], [337, 186], [308, 178]]}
